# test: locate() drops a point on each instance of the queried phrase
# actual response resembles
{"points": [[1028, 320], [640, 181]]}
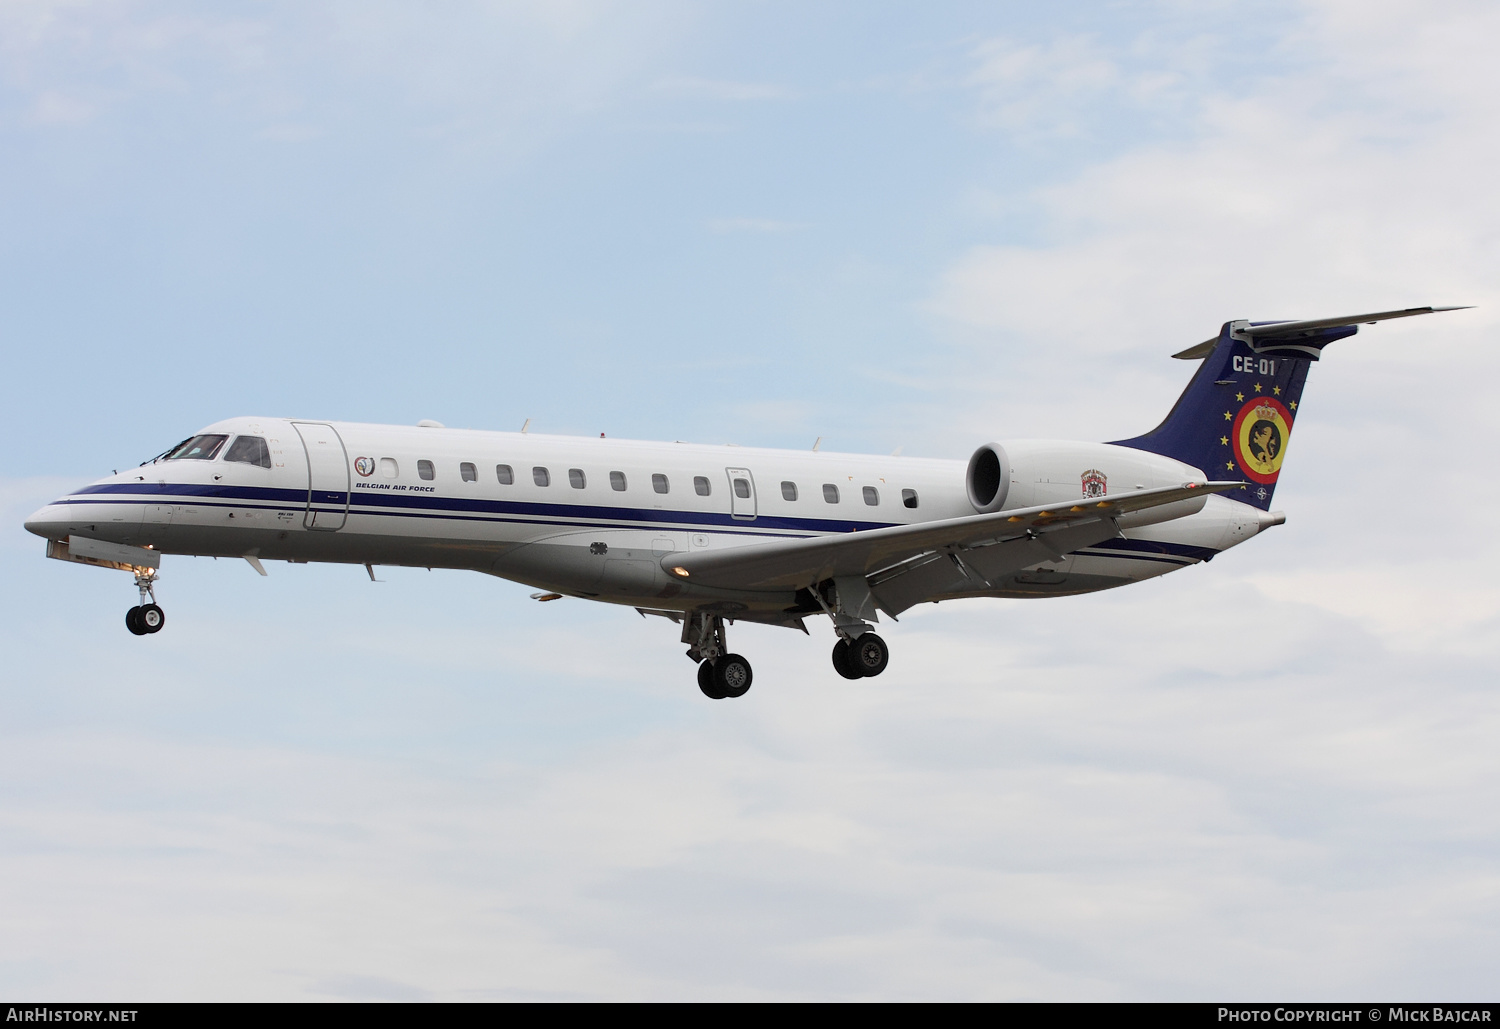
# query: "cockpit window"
{"points": [[249, 450], [204, 447]]}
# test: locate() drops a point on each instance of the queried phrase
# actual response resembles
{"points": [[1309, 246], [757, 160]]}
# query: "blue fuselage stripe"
{"points": [[460, 509], [577, 516]]}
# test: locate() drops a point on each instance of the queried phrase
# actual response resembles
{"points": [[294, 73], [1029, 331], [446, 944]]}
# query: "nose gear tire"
{"points": [[133, 622], [150, 618]]}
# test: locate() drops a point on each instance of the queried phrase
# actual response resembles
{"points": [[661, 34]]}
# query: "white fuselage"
{"points": [[610, 510]]}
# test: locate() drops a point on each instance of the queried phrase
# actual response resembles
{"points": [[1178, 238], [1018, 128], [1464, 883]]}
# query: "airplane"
{"points": [[709, 535]]}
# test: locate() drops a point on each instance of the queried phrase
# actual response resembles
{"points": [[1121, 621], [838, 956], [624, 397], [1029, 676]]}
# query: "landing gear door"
{"points": [[327, 476], [741, 493]]}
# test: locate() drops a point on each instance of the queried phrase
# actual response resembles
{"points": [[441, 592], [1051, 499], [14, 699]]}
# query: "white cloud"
{"points": [[1321, 191], [1014, 810]]}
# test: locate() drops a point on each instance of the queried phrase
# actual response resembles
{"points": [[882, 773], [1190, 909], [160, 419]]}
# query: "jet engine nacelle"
{"points": [[1020, 473], [988, 478]]}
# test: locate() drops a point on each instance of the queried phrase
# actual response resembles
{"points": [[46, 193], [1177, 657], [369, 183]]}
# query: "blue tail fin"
{"points": [[1235, 417]]}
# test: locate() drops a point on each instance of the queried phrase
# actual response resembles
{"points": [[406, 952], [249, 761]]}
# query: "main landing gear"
{"points": [[862, 657], [859, 653], [721, 675], [729, 676], [145, 618]]}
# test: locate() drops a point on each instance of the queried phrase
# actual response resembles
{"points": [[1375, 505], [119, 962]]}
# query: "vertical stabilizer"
{"points": [[1235, 418]]}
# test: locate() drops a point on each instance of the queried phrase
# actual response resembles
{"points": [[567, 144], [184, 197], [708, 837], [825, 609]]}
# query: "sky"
{"points": [[915, 226]]}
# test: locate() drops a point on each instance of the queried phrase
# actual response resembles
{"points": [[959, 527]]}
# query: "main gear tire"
{"points": [[869, 655], [843, 663], [706, 681], [732, 675]]}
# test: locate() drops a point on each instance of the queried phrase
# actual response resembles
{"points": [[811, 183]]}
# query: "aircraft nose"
{"points": [[49, 522]]}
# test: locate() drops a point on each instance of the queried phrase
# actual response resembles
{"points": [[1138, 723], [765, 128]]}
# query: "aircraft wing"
{"points": [[980, 545]]}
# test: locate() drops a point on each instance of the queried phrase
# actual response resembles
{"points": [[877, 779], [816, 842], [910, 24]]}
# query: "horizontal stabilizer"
{"points": [[1266, 331], [797, 563]]}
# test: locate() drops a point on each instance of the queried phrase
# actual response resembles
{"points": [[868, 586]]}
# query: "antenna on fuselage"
{"points": [[526, 425], [818, 444]]}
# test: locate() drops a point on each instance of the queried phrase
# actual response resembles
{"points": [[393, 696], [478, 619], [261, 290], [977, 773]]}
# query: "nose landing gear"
{"points": [[146, 617]]}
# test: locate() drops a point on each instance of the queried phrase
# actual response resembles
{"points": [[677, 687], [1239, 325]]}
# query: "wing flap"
{"points": [[796, 563]]}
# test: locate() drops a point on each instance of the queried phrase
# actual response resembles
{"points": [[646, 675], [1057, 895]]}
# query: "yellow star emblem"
{"points": [[1229, 465], [1257, 387], [1228, 417], [1224, 441], [1239, 396], [1276, 390], [1294, 405]]}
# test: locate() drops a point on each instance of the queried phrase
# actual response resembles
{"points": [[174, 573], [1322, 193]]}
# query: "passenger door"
{"points": [[327, 476], [741, 493]]}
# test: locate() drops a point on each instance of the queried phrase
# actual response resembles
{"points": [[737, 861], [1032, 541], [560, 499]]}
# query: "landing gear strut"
{"points": [[146, 617], [721, 674]]}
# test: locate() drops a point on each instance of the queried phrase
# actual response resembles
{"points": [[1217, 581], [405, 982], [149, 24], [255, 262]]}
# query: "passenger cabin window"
{"points": [[388, 468], [467, 472], [908, 498], [541, 476], [424, 470], [788, 491], [617, 481], [199, 448], [576, 478], [742, 488], [659, 482], [830, 493], [506, 474], [701, 486], [872, 495], [249, 450]]}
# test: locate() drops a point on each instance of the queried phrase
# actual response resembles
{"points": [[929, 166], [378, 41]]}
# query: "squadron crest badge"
{"points": [[1095, 483], [365, 466], [1260, 436]]}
